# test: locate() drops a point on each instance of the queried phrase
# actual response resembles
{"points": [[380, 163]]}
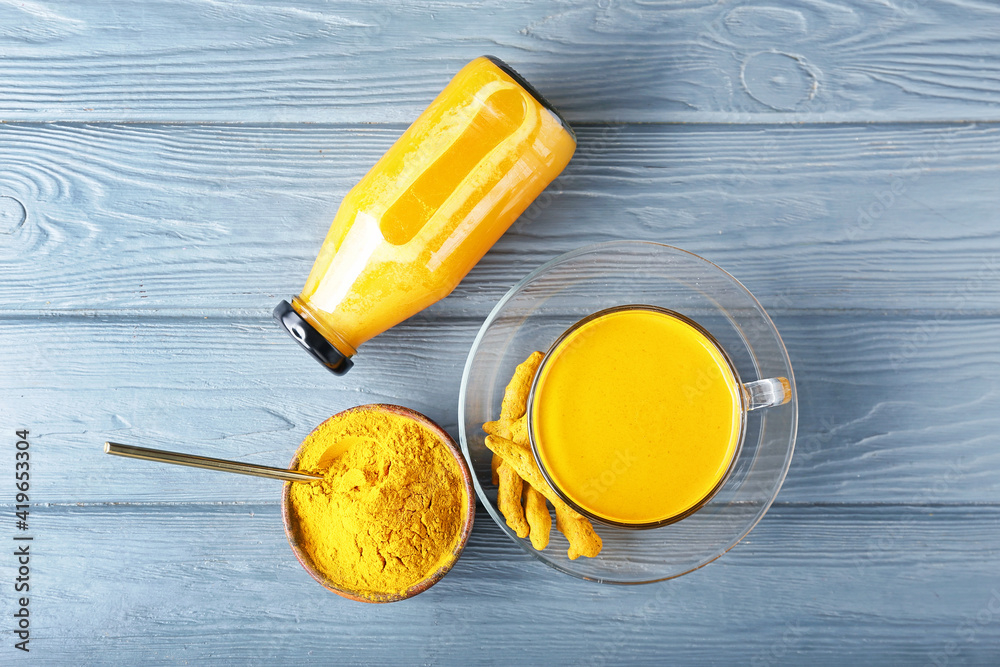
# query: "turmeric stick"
{"points": [[577, 529], [515, 398], [509, 499], [519, 431], [495, 464], [536, 512], [583, 541], [514, 468], [503, 430], [515, 401], [520, 459]]}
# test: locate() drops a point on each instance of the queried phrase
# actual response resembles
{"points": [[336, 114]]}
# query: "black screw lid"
{"points": [[311, 340], [521, 81]]}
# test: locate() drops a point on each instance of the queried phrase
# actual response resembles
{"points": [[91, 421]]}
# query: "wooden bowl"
{"points": [[433, 577]]}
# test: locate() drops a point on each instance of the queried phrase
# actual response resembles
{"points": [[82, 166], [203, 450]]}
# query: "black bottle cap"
{"points": [[521, 81], [311, 340]]}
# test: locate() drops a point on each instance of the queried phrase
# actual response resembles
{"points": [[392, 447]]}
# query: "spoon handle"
{"points": [[194, 461]]}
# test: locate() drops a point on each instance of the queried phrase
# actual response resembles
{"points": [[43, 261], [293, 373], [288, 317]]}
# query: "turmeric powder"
{"points": [[390, 510]]}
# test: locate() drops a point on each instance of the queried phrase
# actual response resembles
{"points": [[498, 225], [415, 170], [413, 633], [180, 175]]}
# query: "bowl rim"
{"points": [[492, 316], [464, 533]]}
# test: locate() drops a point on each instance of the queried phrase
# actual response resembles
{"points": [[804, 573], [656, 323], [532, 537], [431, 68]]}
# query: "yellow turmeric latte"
{"points": [[636, 416], [390, 509]]}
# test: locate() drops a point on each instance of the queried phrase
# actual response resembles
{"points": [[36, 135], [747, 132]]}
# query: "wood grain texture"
{"points": [[622, 60], [893, 409], [168, 171], [178, 584], [225, 220]]}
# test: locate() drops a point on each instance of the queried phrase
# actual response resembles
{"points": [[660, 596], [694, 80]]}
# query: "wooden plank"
{"points": [[228, 219], [795, 61], [206, 145], [893, 409], [167, 584]]}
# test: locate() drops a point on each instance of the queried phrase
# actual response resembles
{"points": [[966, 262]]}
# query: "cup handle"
{"points": [[767, 393]]}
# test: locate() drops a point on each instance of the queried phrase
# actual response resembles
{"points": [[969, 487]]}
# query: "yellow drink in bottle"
{"points": [[431, 207]]}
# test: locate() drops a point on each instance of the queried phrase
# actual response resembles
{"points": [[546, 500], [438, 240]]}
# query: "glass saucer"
{"points": [[537, 310]]}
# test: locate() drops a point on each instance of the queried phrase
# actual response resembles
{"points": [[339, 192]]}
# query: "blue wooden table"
{"points": [[168, 171]]}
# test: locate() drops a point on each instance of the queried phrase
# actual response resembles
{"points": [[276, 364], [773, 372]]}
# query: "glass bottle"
{"points": [[431, 207]]}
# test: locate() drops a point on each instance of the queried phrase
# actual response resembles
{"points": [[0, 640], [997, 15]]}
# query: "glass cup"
{"points": [[754, 395], [541, 307]]}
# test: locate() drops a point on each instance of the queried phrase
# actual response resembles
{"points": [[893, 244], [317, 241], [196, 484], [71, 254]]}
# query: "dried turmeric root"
{"points": [[539, 519], [513, 465], [495, 464], [519, 431], [577, 529], [519, 457], [579, 532], [509, 499], [514, 404], [515, 397], [501, 429]]}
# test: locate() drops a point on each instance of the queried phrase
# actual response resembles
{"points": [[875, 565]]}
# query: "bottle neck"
{"points": [[330, 335]]}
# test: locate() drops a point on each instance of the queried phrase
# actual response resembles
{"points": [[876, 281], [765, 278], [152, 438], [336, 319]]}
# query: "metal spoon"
{"points": [[194, 461]]}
